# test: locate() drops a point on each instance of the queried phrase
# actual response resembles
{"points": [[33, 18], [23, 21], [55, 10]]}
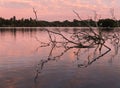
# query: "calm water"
{"points": [[20, 55]]}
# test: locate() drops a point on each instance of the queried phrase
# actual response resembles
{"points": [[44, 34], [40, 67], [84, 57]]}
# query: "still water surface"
{"points": [[20, 54]]}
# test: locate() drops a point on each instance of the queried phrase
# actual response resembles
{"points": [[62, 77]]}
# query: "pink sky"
{"points": [[52, 10]]}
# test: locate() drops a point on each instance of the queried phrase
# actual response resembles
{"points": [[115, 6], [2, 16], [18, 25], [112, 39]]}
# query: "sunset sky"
{"points": [[53, 10]]}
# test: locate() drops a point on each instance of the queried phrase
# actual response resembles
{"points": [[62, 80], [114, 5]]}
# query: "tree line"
{"points": [[13, 22]]}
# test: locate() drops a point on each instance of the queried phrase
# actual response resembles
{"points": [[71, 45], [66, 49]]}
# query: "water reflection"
{"points": [[88, 44], [58, 60], [14, 31]]}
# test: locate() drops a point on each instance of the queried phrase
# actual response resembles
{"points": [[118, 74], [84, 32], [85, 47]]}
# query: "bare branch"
{"points": [[35, 12]]}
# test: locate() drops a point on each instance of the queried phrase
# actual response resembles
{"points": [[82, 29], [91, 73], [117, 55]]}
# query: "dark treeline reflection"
{"points": [[14, 31], [89, 44]]}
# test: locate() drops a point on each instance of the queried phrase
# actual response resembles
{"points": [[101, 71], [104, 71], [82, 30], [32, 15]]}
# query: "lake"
{"points": [[31, 58]]}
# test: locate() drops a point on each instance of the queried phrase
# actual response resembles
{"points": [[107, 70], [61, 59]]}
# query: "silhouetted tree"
{"points": [[106, 23], [13, 22]]}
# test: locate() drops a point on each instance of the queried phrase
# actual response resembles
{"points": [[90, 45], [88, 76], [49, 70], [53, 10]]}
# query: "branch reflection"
{"points": [[80, 40]]}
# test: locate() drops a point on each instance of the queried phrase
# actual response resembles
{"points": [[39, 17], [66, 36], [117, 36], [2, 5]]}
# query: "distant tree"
{"points": [[91, 22], [107, 23], [55, 23], [66, 23], [76, 23], [1, 21], [12, 21]]}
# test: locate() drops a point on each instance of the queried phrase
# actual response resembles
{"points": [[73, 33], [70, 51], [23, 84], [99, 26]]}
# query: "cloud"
{"points": [[56, 8], [15, 4]]}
